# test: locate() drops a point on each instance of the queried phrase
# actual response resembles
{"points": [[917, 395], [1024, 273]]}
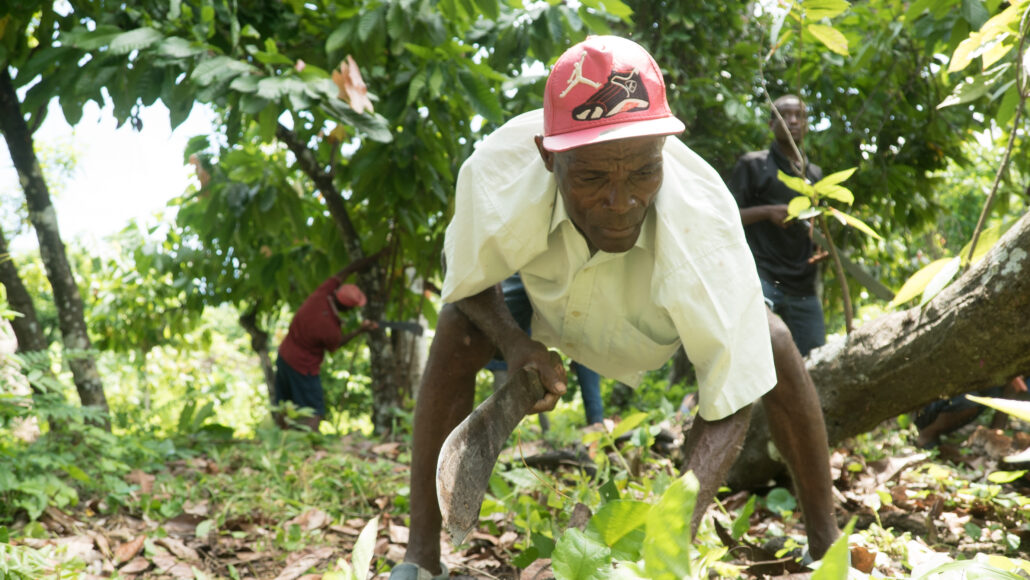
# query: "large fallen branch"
{"points": [[974, 334]]}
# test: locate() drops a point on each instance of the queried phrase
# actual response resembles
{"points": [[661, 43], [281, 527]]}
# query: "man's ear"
{"points": [[547, 156]]}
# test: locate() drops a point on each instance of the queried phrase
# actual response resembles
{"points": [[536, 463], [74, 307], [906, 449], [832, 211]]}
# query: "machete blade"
{"points": [[469, 453]]}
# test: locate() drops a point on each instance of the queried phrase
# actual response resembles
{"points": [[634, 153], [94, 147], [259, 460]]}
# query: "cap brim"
{"points": [[600, 134]]}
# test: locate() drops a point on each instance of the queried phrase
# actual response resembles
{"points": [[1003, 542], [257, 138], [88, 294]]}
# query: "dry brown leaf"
{"points": [[102, 543], [394, 553], [252, 556], [164, 562], [178, 548], [181, 570], [182, 525], [482, 537], [382, 544], [391, 448], [352, 87], [57, 520], [135, 566], [995, 443], [126, 551], [200, 508], [862, 559], [508, 539], [398, 534], [312, 519], [305, 561], [538, 570], [78, 547], [345, 530], [145, 481]]}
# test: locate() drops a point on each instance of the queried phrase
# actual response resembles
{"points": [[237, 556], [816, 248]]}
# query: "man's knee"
{"points": [[782, 341]]}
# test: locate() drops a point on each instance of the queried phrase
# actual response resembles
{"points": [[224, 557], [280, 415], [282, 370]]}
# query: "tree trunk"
{"points": [[971, 336], [28, 332], [259, 342], [77, 344], [27, 329]]}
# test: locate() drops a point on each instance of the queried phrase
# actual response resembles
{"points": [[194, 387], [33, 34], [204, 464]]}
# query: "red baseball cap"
{"points": [[350, 296], [605, 88]]}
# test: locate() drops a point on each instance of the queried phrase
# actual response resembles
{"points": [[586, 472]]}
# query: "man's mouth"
{"points": [[619, 232]]}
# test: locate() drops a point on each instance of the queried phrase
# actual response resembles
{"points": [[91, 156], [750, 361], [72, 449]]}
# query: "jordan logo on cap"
{"points": [[624, 92]]}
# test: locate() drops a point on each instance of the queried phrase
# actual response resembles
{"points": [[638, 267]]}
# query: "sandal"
{"points": [[411, 571]]}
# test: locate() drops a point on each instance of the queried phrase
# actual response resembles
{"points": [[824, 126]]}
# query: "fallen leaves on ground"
{"points": [[914, 511]]}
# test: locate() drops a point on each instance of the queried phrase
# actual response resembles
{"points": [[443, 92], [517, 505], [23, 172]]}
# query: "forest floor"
{"points": [[292, 505]]}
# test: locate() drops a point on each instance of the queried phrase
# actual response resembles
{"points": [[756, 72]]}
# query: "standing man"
{"points": [[783, 250], [314, 331], [628, 245]]}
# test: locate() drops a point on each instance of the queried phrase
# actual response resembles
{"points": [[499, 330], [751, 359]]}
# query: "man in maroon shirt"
{"points": [[315, 330]]}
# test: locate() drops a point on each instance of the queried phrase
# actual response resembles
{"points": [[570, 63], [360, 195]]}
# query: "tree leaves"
{"points": [[831, 37], [220, 69], [819, 9], [919, 281], [134, 40]]}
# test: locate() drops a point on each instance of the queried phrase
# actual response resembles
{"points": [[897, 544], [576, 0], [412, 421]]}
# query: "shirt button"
{"points": [[577, 313], [570, 345]]}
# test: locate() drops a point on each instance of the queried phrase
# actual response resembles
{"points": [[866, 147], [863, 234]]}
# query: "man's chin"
{"points": [[617, 245]]}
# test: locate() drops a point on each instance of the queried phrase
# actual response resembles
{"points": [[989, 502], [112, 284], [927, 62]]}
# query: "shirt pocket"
{"points": [[630, 347]]}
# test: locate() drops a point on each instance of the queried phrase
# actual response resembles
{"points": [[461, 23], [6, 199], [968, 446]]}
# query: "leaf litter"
{"points": [[914, 510]]}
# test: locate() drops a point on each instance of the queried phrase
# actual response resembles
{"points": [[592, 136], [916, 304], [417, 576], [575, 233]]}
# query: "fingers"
{"points": [[548, 403], [552, 374], [551, 370]]}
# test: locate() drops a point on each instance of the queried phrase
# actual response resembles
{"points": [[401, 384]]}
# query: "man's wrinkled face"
{"points": [[607, 188]]}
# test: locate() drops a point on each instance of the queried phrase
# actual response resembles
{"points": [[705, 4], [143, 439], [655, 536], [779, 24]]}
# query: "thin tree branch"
{"points": [[1020, 82]]}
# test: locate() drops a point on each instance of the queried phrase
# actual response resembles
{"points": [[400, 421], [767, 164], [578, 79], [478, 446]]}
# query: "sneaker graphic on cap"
{"points": [[623, 92]]}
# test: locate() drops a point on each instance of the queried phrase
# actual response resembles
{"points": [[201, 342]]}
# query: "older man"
{"points": [[628, 245]]}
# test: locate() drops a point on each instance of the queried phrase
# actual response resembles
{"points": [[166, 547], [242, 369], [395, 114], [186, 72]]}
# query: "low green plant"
{"points": [[361, 556], [21, 562]]}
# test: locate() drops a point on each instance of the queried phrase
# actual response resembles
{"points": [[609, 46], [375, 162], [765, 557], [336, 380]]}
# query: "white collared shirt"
{"points": [[689, 278]]}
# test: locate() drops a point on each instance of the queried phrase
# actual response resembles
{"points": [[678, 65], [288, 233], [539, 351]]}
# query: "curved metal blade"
{"points": [[469, 453]]}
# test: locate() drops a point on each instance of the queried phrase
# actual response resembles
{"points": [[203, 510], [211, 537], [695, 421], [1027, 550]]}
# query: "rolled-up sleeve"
{"points": [[503, 203]]}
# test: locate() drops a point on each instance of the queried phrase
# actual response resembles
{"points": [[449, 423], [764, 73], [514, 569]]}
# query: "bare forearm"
{"points": [[710, 450], [349, 336], [489, 313], [759, 213]]}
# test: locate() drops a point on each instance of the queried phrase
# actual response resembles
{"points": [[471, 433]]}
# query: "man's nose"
{"points": [[620, 199]]}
